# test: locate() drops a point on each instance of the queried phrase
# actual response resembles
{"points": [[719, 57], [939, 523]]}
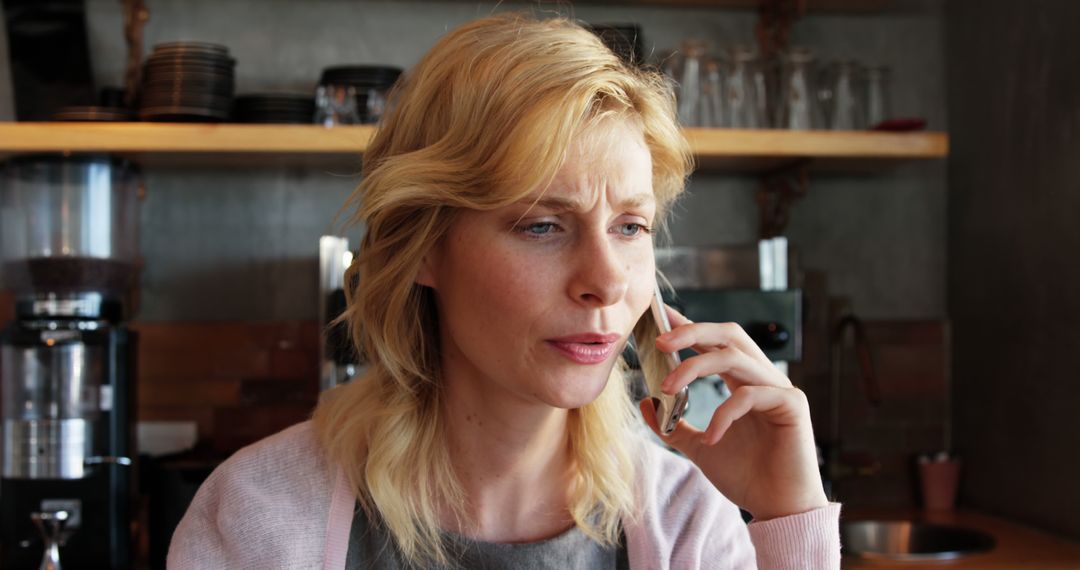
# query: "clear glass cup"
{"points": [[744, 85], [846, 109], [690, 84], [797, 107], [877, 95], [712, 96], [825, 85], [374, 104], [766, 78], [336, 105]]}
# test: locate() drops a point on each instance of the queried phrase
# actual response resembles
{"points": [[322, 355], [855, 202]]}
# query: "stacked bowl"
{"points": [[187, 81], [274, 108]]}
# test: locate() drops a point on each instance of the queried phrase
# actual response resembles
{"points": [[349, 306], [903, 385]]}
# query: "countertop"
{"points": [[1018, 547]]}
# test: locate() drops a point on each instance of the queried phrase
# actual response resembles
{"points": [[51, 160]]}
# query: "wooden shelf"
{"points": [[842, 6], [728, 150], [340, 148], [183, 144]]}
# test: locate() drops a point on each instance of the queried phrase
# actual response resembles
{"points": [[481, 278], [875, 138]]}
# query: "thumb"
{"points": [[648, 413]]}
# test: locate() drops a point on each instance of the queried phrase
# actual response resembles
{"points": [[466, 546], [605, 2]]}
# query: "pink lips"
{"points": [[586, 348]]}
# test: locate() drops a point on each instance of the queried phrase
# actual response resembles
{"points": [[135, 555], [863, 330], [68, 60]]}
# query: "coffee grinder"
{"points": [[68, 243]]}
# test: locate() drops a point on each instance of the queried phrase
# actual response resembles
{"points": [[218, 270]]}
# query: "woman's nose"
{"points": [[600, 276]]}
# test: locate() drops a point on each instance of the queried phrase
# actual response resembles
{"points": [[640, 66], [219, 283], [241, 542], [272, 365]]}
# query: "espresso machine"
{"points": [[68, 244], [339, 363]]}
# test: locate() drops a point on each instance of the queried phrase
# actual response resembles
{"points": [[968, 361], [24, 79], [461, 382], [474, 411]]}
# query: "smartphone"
{"points": [[656, 365]]}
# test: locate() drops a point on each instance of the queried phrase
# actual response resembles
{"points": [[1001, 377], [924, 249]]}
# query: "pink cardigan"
{"points": [[278, 504]]}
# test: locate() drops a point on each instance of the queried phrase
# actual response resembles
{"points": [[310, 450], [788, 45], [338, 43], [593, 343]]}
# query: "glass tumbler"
{"points": [[336, 105], [877, 95], [846, 110], [797, 107], [712, 95], [744, 86], [690, 88]]}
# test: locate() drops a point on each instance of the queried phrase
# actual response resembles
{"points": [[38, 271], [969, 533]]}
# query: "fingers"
{"points": [[706, 337], [703, 337], [781, 406], [733, 365], [676, 318]]}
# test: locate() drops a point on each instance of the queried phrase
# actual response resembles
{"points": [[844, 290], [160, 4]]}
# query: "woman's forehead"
{"points": [[612, 160], [601, 138], [582, 201]]}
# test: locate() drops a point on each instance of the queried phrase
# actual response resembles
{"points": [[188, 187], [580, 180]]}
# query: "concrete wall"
{"points": [[241, 244], [7, 102], [1014, 187]]}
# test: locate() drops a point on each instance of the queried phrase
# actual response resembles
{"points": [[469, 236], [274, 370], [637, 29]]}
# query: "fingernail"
{"points": [[666, 385]]}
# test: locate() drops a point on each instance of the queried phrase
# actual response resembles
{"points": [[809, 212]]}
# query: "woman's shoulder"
{"points": [[269, 499], [294, 451], [683, 520], [669, 479], [286, 468]]}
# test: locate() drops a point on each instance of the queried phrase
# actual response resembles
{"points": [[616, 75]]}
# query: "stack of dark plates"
{"points": [[92, 114], [187, 81], [274, 108], [372, 83]]}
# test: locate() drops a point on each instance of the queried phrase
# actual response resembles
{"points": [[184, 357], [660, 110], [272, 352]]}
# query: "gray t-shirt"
{"points": [[370, 547]]}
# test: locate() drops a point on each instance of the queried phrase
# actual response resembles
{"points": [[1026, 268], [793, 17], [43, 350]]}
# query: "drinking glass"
{"points": [[846, 110], [690, 91], [744, 86], [336, 105], [877, 95], [712, 95], [797, 107]]}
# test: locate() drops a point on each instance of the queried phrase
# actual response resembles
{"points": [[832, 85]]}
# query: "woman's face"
{"points": [[536, 301]]}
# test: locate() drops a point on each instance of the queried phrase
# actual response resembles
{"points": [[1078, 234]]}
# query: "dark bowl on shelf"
{"points": [[367, 76], [191, 46], [274, 108], [181, 114], [93, 114]]}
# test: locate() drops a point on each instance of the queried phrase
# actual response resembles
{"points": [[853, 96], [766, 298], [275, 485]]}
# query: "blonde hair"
{"points": [[482, 121]]}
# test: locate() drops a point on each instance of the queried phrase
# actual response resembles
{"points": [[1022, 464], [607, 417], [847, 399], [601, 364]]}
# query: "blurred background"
{"points": [[886, 194]]}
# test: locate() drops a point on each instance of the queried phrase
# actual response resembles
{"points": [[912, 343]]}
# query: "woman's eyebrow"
{"points": [[559, 204], [637, 200]]}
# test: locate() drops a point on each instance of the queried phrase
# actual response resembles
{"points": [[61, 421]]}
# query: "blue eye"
{"points": [[632, 229], [540, 229], [537, 229]]}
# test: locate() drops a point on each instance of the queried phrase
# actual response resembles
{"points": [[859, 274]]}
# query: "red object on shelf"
{"points": [[903, 124]]}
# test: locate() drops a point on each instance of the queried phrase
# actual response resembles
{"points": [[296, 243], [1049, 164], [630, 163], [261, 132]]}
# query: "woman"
{"points": [[509, 199]]}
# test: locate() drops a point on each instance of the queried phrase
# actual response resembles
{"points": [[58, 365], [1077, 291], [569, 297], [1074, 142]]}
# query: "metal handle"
{"points": [[100, 459], [51, 526]]}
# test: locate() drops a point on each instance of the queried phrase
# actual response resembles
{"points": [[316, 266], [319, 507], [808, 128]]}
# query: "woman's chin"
{"points": [[576, 395]]}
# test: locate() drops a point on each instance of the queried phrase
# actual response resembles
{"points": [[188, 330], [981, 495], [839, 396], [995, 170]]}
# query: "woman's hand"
{"points": [[759, 447]]}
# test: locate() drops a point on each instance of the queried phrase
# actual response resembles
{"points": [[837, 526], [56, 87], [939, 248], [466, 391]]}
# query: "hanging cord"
{"points": [[135, 17]]}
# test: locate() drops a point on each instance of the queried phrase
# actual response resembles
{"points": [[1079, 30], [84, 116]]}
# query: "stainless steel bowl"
{"points": [[907, 540]]}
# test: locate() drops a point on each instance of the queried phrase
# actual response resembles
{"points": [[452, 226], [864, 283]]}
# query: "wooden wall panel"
{"points": [[239, 381], [879, 443], [1014, 195]]}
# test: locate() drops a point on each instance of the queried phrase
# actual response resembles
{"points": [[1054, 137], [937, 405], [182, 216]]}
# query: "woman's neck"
{"points": [[513, 462]]}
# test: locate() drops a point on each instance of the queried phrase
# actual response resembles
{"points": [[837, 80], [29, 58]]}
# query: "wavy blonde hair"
{"points": [[484, 119]]}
